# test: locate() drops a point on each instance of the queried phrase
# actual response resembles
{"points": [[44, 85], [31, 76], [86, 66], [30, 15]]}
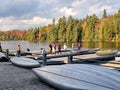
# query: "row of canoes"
{"points": [[97, 51], [72, 76]]}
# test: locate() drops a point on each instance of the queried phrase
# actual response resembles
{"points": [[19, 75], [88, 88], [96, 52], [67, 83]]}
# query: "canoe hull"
{"points": [[79, 77], [25, 62], [106, 53], [117, 59], [3, 58], [79, 51]]}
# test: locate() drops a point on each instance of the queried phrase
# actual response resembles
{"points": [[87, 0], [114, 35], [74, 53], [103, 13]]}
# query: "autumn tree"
{"points": [[104, 14]]}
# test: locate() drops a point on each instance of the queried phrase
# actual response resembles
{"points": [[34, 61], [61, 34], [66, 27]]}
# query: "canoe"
{"points": [[3, 57], [78, 51], [22, 53], [94, 49], [106, 52], [117, 59], [79, 77], [52, 62], [25, 62]]}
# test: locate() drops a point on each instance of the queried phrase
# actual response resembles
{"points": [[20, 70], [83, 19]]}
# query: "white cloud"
{"points": [[7, 23], [68, 11], [25, 14], [37, 20], [98, 9], [11, 23], [77, 3]]}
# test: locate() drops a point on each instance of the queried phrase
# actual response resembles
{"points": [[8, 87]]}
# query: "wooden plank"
{"points": [[111, 65]]}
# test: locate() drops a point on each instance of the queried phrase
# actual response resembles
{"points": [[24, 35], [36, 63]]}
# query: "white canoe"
{"points": [[78, 51], [94, 49], [2, 55], [79, 77], [25, 62], [117, 59]]}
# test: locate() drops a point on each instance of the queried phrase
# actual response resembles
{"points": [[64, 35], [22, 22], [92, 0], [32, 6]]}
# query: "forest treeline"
{"points": [[69, 29]]}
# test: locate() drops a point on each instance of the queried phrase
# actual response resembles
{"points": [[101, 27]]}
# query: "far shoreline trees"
{"points": [[69, 29]]}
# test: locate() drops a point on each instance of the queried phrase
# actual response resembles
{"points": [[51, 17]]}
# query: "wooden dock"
{"points": [[92, 59], [105, 61], [83, 57]]}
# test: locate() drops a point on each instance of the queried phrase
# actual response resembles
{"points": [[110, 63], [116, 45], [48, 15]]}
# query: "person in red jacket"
{"points": [[59, 49]]}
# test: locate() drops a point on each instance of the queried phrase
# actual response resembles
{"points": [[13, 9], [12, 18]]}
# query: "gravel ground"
{"points": [[17, 78]]}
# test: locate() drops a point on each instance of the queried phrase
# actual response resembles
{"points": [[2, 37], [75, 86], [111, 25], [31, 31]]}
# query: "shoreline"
{"points": [[17, 78]]}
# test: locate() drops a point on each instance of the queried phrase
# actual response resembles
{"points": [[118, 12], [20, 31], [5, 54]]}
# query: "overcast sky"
{"points": [[25, 14]]}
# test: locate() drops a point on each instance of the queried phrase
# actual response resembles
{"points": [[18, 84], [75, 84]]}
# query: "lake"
{"points": [[12, 45], [36, 46]]}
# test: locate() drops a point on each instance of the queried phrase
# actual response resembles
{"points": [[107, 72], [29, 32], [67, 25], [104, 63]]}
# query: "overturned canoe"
{"points": [[78, 51], [3, 57], [117, 59], [106, 52], [52, 62], [79, 77], [93, 49], [25, 62]]}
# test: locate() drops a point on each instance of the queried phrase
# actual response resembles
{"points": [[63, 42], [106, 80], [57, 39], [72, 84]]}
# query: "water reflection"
{"points": [[37, 45], [102, 45]]}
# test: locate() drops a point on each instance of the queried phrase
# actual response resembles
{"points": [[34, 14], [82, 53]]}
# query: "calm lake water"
{"points": [[36, 46]]}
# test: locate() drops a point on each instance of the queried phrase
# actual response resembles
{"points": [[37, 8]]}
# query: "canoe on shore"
{"points": [[79, 77], [106, 52], [25, 62], [52, 62], [93, 49], [3, 57], [79, 51]]}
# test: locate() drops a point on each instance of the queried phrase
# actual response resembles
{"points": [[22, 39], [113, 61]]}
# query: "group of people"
{"points": [[78, 46], [53, 47]]}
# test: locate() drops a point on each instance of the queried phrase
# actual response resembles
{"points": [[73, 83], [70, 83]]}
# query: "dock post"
{"points": [[44, 59], [70, 57], [7, 53]]}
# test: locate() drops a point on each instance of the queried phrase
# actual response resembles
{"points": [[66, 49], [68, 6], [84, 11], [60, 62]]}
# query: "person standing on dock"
{"points": [[28, 49], [42, 50], [50, 48], [64, 46], [0, 48], [73, 46], [53, 48], [59, 48], [79, 46], [18, 50]]}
